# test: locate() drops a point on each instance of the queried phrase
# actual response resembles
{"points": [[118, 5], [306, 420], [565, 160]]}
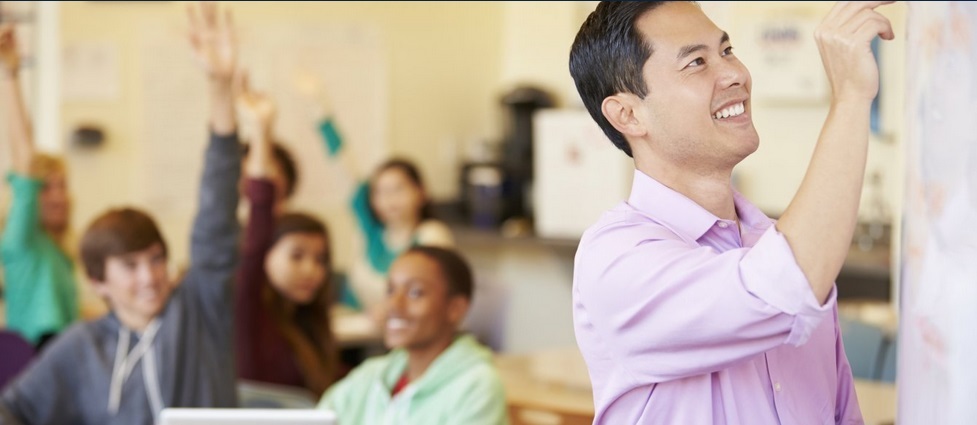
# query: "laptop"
{"points": [[208, 416]]}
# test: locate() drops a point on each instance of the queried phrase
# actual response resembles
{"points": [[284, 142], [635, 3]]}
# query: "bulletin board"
{"points": [[781, 52], [937, 375]]}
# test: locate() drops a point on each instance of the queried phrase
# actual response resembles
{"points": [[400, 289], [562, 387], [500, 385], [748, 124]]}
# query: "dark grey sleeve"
{"points": [[42, 394], [7, 417], [214, 239]]}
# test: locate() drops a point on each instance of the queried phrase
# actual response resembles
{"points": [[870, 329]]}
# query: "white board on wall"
{"points": [[937, 374]]}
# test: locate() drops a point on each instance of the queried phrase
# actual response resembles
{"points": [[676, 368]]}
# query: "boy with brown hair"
{"points": [[163, 345]]}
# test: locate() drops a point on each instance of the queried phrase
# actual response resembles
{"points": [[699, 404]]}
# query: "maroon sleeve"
{"points": [[251, 275]]}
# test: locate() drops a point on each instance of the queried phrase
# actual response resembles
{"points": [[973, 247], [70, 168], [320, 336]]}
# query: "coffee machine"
{"points": [[517, 148], [497, 189]]}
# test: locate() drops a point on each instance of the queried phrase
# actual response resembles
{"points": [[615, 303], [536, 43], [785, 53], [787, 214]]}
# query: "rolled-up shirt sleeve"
{"points": [[671, 309]]}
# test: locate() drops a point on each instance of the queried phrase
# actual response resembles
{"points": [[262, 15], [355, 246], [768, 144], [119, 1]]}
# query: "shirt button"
{"points": [[776, 387], [723, 224]]}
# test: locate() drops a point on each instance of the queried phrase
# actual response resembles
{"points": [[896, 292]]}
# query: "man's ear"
{"points": [[457, 309], [619, 110]]}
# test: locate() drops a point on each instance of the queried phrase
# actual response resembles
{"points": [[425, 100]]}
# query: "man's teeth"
{"points": [[731, 111]]}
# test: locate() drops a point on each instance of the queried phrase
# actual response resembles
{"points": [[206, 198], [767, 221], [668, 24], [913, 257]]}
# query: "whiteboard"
{"points": [[937, 371]]}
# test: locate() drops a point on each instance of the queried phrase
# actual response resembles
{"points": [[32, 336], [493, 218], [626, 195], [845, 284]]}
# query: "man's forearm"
{"points": [[820, 220]]}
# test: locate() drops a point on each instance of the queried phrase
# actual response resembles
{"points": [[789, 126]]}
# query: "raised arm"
{"points": [[710, 309], [215, 48], [257, 113], [17, 120], [820, 220], [23, 220], [214, 238]]}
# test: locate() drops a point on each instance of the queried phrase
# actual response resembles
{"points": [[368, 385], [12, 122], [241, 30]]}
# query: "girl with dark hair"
{"points": [[283, 296]]}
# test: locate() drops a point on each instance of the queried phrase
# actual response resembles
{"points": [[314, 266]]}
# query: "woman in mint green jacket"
{"points": [[433, 375]]}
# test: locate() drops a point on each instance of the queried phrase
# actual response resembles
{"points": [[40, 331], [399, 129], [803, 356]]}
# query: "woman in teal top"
{"points": [[392, 211], [40, 293]]}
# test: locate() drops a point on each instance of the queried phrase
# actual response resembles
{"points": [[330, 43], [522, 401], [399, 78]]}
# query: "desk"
{"points": [[353, 328], [556, 382]]}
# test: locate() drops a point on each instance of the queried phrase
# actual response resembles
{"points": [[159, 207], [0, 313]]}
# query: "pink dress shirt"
{"points": [[682, 320]]}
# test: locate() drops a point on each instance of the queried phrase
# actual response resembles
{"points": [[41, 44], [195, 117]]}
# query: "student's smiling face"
{"points": [[136, 284], [421, 312], [692, 75]]}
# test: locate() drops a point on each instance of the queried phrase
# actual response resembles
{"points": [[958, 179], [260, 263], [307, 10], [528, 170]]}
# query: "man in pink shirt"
{"points": [[690, 305]]}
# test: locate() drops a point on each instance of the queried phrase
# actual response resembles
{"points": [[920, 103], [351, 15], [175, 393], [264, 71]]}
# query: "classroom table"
{"points": [[553, 387], [353, 328]]}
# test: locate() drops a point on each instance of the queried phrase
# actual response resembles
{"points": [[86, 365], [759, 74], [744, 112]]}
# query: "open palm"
{"points": [[256, 110], [212, 40]]}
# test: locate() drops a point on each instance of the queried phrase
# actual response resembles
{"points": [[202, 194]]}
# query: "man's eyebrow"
{"points": [[692, 48]]}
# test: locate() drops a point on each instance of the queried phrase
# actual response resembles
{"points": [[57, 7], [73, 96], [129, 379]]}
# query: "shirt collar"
{"points": [[681, 214]]}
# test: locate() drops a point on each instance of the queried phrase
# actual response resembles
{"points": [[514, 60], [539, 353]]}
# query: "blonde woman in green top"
{"points": [[40, 293]]}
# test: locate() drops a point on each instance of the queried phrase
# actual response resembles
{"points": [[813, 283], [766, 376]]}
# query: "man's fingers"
{"points": [[869, 23], [875, 27], [844, 11]]}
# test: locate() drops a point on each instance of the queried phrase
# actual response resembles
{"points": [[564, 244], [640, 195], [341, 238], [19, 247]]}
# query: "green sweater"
{"points": [[40, 293], [460, 387]]}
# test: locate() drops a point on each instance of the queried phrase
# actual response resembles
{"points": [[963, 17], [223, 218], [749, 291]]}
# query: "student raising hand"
{"points": [[41, 294], [257, 113], [215, 48], [213, 41]]}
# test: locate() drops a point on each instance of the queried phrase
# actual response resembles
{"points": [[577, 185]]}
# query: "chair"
{"points": [[863, 346], [888, 364], [15, 354], [261, 395]]}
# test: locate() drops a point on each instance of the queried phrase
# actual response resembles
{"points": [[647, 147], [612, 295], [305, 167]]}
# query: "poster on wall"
{"points": [[782, 53], [936, 369]]}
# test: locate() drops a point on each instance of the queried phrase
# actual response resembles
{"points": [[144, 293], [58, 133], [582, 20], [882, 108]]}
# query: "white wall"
{"points": [[444, 66], [536, 48]]}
